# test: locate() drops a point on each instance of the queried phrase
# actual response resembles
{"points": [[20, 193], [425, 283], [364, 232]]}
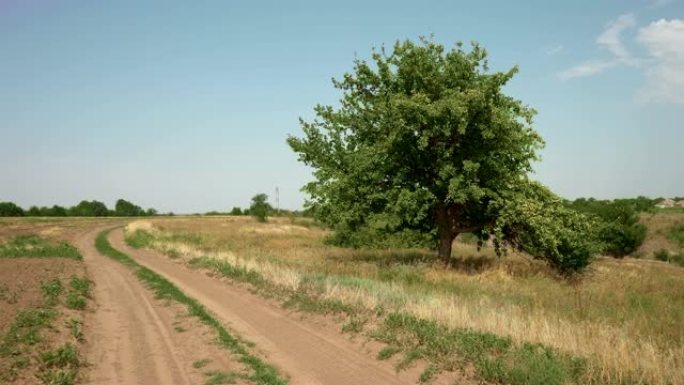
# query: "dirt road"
{"points": [[308, 355], [131, 336]]}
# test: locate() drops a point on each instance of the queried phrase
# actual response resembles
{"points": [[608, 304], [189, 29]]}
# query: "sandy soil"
{"points": [[306, 353], [134, 338]]}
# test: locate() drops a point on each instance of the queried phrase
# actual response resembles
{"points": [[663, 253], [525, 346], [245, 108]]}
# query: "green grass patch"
{"points": [[495, 358], [262, 373], [37, 247], [139, 239]]}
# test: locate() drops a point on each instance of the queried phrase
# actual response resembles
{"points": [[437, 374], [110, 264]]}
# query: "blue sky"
{"points": [[185, 106]]}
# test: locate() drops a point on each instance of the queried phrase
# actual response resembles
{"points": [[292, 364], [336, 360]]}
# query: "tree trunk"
{"points": [[447, 233], [446, 240]]}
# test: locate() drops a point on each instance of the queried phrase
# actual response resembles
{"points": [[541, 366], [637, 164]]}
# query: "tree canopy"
{"points": [[423, 146], [260, 208]]}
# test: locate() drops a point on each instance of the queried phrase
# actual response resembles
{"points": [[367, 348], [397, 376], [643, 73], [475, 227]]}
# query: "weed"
{"points": [[180, 329], [75, 301], [57, 377], [11, 297], [76, 328], [81, 286], [388, 352], [428, 374], [220, 378], [354, 325], [51, 291], [200, 363], [63, 357]]}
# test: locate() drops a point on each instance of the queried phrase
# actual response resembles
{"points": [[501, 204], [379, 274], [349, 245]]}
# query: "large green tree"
{"points": [[424, 145]]}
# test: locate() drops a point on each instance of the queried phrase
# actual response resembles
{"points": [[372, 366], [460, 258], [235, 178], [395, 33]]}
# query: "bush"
{"points": [[618, 227]]}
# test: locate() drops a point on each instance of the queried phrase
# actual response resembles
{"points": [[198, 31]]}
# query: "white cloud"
{"points": [[611, 38], [558, 48], [664, 42], [586, 69]]}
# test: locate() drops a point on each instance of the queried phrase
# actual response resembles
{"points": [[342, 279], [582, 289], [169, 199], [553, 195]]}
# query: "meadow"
{"points": [[509, 319]]}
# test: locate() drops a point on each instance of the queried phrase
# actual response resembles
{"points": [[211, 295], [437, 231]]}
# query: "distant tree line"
{"points": [[617, 222], [122, 208]]}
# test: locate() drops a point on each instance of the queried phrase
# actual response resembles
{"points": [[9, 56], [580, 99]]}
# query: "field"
{"points": [[622, 321], [231, 300]]}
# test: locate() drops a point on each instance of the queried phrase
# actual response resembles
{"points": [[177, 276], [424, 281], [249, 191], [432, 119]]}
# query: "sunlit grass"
{"points": [[624, 316]]}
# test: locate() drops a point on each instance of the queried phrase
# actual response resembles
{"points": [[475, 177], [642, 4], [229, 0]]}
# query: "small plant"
{"points": [[200, 363], [51, 291], [75, 301], [63, 357], [81, 285], [57, 377], [76, 328]]}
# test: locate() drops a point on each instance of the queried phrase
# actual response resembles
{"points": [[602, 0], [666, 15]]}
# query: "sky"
{"points": [[186, 106]]}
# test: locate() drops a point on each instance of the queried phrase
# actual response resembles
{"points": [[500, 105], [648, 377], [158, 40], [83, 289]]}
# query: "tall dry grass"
{"points": [[626, 316]]}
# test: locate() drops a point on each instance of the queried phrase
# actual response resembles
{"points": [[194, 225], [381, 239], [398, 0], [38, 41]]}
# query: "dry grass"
{"points": [[658, 226], [626, 315]]}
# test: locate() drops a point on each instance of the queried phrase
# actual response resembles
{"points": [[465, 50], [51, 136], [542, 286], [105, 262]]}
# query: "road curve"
{"points": [[307, 355], [130, 336]]}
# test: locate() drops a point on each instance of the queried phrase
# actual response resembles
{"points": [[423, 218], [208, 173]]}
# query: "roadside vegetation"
{"points": [[42, 311], [259, 371], [511, 320]]}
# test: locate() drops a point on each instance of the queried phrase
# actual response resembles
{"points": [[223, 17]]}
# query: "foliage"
{"points": [[9, 209], [236, 211], [617, 222], [424, 146], [535, 220], [89, 209], [260, 208], [124, 208]]}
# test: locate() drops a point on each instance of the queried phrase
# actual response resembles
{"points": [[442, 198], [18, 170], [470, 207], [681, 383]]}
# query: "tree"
{"points": [[9, 209], [260, 208], [236, 211], [124, 208], [89, 209], [424, 146]]}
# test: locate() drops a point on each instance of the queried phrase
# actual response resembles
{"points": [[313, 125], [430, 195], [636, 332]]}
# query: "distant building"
{"points": [[667, 203], [680, 203]]}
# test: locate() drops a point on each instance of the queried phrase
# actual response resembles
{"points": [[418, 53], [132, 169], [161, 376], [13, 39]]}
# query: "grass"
{"points": [[262, 373], [201, 363], [623, 319], [35, 246]]}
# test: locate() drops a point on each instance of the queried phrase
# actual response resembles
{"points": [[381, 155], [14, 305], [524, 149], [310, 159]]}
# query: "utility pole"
{"points": [[277, 201]]}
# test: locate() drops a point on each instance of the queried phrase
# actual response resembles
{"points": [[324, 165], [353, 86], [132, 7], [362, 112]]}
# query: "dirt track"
{"points": [[131, 336], [306, 354]]}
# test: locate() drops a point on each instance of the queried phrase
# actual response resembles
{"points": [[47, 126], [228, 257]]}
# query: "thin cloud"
{"points": [[611, 38], [558, 48], [586, 69], [664, 41]]}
